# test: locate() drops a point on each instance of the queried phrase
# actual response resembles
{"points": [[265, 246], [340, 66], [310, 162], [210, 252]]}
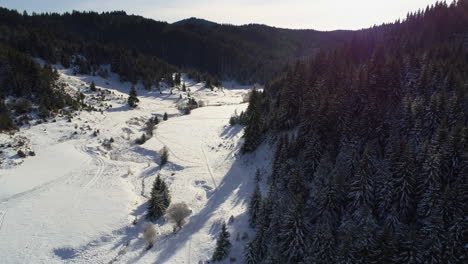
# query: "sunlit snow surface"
{"points": [[76, 201]]}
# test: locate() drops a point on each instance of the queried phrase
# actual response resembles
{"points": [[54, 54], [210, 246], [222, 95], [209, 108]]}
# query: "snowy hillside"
{"points": [[82, 197]]}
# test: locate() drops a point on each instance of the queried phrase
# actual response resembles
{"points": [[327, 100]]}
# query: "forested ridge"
{"points": [[250, 53], [138, 50], [371, 163]]}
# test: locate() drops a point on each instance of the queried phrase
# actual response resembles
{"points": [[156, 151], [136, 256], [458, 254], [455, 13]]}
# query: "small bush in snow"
{"points": [[21, 106], [246, 97], [149, 234], [141, 140], [237, 119], [21, 154], [177, 213], [92, 87]]}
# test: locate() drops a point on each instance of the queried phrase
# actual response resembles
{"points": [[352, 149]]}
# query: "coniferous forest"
{"points": [[369, 127], [371, 163], [140, 49]]}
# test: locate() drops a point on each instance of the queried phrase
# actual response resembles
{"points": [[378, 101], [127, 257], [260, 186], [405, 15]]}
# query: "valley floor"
{"points": [[77, 201]]}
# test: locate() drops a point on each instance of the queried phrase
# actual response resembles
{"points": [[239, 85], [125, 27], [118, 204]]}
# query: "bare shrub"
{"points": [[149, 234], [246, 97], [177, 213]]}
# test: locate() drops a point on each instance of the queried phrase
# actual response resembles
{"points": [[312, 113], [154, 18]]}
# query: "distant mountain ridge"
{"points": [[245, 53], [195, 20]]}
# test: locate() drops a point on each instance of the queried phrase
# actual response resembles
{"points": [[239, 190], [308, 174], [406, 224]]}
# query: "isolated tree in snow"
{"points": [[184, 88], [223, 245], [165, 117], [159, 200], [254, 207], [208, 84], [177, 78], [132, 98], [92, 87], [177, 213], [164, 155], [149, 234]]}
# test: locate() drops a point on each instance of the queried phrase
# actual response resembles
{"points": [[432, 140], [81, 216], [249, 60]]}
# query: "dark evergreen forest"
{"points": [[371, 164], [370, 126], [140, 49]]}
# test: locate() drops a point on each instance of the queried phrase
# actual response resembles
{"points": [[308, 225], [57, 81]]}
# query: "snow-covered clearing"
{"points": [[78, 201]]}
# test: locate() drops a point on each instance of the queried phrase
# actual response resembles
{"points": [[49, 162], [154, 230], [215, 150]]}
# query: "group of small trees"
{"points": [[149, 128], [158, 206]]}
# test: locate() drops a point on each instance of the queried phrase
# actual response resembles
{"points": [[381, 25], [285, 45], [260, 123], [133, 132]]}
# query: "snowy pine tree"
{"points": [[132, 98], [250, 254], [254, 206], [254, 123], [92, 87], [223, 245], [293, 235], [159, 200]]}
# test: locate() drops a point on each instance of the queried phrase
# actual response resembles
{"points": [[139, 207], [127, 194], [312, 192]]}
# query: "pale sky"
{"points": [[310, 14]]}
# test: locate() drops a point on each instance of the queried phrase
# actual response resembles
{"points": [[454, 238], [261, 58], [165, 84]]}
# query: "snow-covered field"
{"points": [[77, 201]]}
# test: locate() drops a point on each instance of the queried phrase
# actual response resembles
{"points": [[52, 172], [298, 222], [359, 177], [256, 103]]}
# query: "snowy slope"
{"points": [[78, 202]]}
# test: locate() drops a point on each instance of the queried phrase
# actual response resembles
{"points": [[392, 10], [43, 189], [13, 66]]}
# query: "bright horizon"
{"points": [[295, 14]]}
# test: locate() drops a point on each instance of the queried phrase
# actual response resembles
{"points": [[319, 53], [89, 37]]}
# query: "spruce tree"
{"points": [[254, 206], [164, 155], [177, 78], [132, 98], [293, 235], [250, 254], [92, 87], [223, 245], [165, 117], [254, 123], [159, 201]]}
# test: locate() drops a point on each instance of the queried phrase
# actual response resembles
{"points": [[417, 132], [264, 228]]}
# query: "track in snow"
{"points": [[170, 151], [100, 170], [209, 167], [2, 217], [37, 189]]}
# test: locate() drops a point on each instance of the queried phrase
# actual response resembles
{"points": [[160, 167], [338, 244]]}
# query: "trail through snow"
{"points": [[2, 217]]}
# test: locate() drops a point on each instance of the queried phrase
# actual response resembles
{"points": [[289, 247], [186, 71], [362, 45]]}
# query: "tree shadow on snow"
{"points": [[231, 131], [236, 179], [65, 253], [126, 233], [122, 108]]}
